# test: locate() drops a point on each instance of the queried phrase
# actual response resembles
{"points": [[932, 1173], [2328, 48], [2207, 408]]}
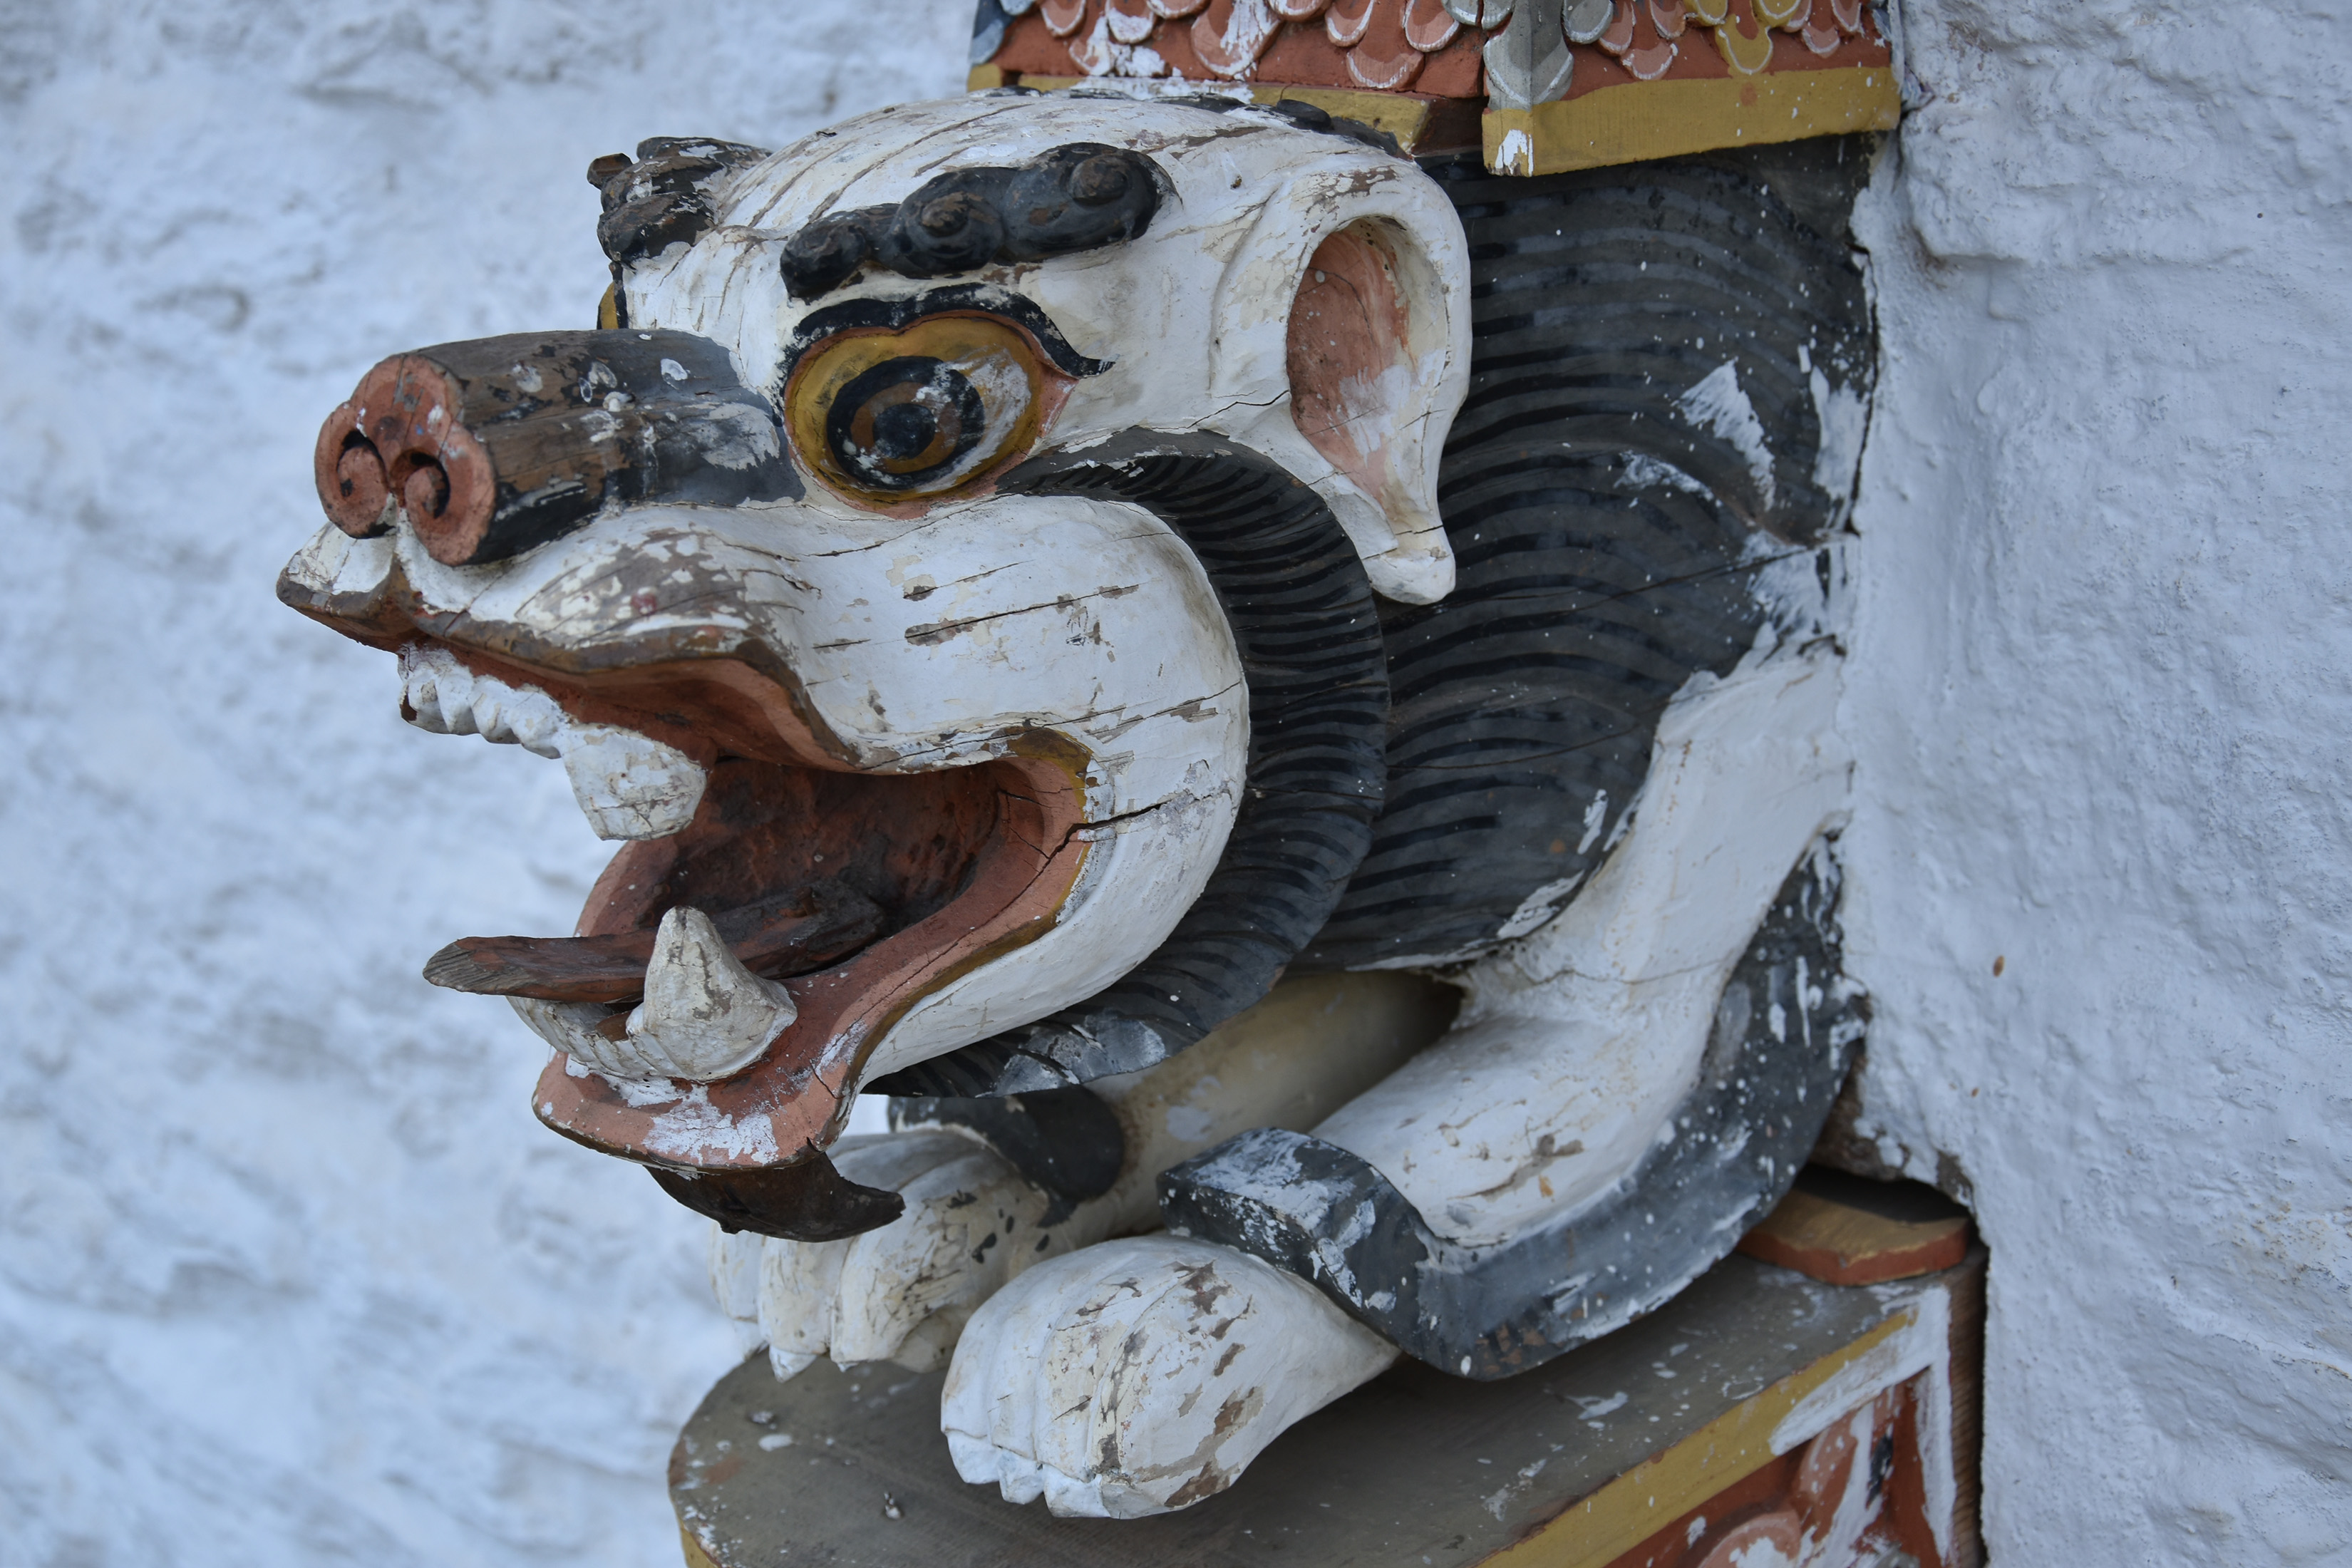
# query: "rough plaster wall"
{"points": [[2099, 695], [287, 1273]]}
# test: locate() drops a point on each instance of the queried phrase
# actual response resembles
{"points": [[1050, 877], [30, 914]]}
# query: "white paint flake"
{"points": [[1718, 404]]}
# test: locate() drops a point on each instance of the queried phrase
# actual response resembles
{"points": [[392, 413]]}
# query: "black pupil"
{"points": [[906, 423], [902, 430]]}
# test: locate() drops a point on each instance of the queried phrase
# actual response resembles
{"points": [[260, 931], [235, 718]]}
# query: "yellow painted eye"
{"points": [[896, 416]]}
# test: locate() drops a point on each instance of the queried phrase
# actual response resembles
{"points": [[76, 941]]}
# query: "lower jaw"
{"points": [[993, 854], [747, 1149]]}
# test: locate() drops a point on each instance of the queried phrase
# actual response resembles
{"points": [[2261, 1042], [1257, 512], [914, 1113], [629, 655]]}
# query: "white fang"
{"points": [[705, 1015]]}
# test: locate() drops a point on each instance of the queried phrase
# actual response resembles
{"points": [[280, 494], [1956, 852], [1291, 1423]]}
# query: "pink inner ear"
{"points": [[1349, 359]]}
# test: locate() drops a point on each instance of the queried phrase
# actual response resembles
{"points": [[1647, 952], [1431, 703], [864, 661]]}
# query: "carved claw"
{"points": [[807, 1200]]}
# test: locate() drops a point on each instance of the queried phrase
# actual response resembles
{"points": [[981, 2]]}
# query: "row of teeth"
{"points": [[704, 1015], [628, 785]]}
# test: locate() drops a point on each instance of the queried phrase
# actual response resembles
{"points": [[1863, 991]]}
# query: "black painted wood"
{"points": [[1607, 545], [1784, 1036], [1080, 196], [1066, 1141], [807, 1200], [660, 197], [572, 421]]}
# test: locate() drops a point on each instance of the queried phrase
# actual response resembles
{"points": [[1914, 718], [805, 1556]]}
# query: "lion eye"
{"points": [[906, 423], [918, 412]]}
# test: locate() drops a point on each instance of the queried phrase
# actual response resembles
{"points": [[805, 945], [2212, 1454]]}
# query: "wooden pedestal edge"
{"points": [[1840, 1244], [1915, 1337]]}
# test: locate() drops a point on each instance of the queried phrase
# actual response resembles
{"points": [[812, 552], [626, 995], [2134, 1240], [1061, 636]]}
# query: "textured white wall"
{"points": [[2099, 694], [287, 1274]]}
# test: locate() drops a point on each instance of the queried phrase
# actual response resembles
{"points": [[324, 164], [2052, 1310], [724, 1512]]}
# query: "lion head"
{"points": [[953, 569]]}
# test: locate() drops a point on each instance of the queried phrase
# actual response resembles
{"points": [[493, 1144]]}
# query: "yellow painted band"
{"points": [[1636, 121], [1654, 1493], [696, 1557]]}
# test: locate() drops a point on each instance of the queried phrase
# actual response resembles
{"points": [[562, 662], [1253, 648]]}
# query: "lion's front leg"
{"points": [[973, 1222], [1141, 1376]]}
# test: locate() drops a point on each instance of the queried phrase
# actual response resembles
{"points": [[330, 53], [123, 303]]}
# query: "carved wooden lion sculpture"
{"points": [[1026, 575]]}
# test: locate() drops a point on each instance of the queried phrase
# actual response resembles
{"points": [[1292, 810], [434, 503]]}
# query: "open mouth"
{"points": [[774, 913]]}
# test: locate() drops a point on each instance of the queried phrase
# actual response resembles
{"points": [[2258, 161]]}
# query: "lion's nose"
{"points": [[495, 445]]}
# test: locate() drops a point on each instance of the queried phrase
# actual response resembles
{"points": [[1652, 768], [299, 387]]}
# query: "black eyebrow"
{"points": [[892, 315], [1079, 197]]}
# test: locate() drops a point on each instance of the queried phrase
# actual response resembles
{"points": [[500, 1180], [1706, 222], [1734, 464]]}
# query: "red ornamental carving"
{"points": [[1386, 46], [1647, 35], [1382, 45], [1347, 20]]}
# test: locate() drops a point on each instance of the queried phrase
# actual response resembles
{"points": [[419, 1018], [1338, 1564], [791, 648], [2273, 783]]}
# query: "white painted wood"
{"points": [[734, 1262], [1311, 1046], [927, 640], [925, 645], [1143, 1375], [1575, 1046], [704, 1015], [902, 1293], [1195, 314], [628, 785]]}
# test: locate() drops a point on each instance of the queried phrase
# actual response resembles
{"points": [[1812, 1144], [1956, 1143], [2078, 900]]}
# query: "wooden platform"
{"points": [[1844, 1230], [1611, 1455]]}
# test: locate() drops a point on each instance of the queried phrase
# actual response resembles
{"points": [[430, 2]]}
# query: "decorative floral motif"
{"points": [[1645, 36], [1384, 43]]}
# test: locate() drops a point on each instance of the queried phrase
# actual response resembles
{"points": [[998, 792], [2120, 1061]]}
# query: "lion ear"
{"points": [[1350, 359], [1349, 353], [1376, 359], [1339, 346]]}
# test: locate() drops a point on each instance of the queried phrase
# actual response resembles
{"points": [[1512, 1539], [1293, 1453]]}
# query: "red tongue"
{"points": [[791, 933]]}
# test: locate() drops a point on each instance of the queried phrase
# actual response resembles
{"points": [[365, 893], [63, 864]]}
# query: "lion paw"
{"points": [[903, 1292], [1141, 1376]]}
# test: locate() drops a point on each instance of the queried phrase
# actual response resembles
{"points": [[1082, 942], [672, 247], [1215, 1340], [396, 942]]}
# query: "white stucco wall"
{"points": [[2099, 694], [289, 1276]]}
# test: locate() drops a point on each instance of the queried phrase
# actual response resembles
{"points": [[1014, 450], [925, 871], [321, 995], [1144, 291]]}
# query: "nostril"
{"points": [[348, 472], [359, 474], [426, 493]]}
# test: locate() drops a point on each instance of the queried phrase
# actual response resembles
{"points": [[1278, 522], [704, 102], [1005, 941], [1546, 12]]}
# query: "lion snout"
{"points": [[495, 445]]}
